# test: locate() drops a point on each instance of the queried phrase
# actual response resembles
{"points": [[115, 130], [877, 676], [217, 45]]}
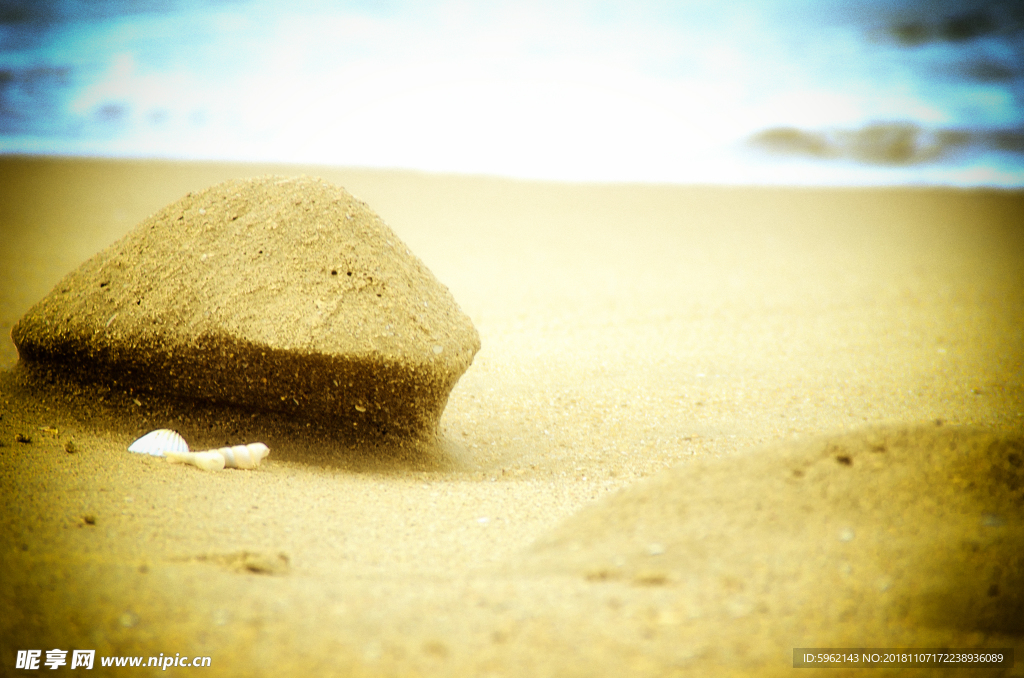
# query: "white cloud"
{"points": [[571, 90]]}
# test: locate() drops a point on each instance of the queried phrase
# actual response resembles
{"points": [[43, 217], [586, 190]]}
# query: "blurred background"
{"points": [[812, 92]]}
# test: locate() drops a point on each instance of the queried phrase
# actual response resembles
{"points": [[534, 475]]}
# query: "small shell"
{"points": [[208, 461], [164, 442], [158, 442], [239, 456], [244, 456]]}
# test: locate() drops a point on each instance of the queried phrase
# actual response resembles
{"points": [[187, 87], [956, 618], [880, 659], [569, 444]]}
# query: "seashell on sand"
{"points": [[159, 442], [240, 456], [208, 461], [166, 443], [244, 456]]}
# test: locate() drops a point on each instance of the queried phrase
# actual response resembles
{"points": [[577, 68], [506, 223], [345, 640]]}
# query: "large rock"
{"points": [[271, 294]]}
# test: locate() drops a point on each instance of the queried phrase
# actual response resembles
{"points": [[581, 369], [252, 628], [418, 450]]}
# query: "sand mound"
{"points": [[275, 293], [873, 538]]}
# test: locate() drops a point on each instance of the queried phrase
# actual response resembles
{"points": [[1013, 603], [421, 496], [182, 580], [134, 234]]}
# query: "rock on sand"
{"points": [[274, 293]]}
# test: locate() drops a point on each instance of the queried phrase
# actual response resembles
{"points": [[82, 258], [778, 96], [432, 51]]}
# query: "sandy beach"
{"points": [[632, 335]]}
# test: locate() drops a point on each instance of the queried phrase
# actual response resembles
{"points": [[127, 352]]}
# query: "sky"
{"points": [[730, 91]]}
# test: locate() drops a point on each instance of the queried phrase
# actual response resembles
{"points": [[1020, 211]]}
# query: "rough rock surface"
{"points": [[273, 293]]}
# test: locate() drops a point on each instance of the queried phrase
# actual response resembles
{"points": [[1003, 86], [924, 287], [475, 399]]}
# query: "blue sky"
{"points": [[640, 91]]}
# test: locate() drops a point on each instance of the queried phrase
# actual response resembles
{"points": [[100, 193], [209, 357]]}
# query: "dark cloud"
{"points": [[1011, 140], [63, 11], [793, 141], [30, 97], [893, 143], [112, 113], [992, 71], [23, 11], [967, 26], [911, 33], [994, 18]]}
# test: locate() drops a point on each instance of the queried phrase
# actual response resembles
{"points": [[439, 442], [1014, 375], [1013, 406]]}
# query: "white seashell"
{"points": [[244, 456], [166, 443], [159, 442], [208, 461], [240, 456]]}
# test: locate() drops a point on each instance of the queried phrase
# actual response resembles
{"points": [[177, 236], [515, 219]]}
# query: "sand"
{"points": [[628, 333], [273, 294]]}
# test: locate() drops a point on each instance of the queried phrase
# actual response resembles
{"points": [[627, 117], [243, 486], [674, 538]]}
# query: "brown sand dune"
{"points": [[885, 537], [626, 330]]}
